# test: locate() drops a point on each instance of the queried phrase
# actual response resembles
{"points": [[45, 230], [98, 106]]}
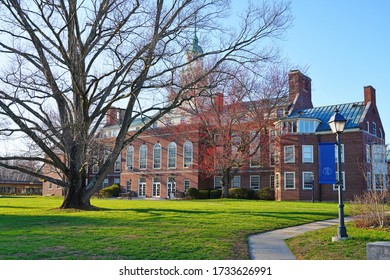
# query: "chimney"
{"points": [[114, 116], [369, 95], [299, 90]]}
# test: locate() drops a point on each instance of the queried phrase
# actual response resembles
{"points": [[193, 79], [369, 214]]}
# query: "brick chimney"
{"points": [[114, 116], [299, 90], [369, 95]]}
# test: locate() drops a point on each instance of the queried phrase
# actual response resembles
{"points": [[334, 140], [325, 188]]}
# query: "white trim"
{"points": [[285, 181], [303, 179], [250, 182], [312, 154], [146, 157], [157, 145], [293, 154]]}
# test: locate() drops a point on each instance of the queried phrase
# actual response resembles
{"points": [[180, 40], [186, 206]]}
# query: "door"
{"points": [[171, 188]]}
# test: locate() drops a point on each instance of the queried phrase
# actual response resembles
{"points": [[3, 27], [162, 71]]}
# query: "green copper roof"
{"points": [[351, 111], [195, 48]]}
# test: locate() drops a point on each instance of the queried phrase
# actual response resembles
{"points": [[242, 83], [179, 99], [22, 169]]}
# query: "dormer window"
{"points": [[374, 128]]}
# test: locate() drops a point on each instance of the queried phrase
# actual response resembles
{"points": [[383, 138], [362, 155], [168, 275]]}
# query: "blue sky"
{"points": [[345, 45]]}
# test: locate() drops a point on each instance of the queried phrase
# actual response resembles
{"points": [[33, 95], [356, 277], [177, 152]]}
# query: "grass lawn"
{"points": [[318, 245], [33, 227]]}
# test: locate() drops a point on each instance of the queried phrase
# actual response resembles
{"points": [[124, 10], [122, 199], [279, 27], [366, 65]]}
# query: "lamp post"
{"points": [[337, 123]]}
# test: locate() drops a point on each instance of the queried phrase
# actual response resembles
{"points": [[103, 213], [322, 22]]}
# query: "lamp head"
{"points": [[337, 122]]}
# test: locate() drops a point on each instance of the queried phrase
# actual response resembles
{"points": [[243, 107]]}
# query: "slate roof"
{"points": [[351, 111]]}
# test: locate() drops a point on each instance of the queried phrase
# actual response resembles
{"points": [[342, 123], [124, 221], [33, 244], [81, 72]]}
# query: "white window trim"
{"points": [[335, 188], [156, 185], [303, 154], [154, 158], [219, 178], [303, 180], [146, 157], [128, 165], [172, 144], [251, 179], [368, 153], [293, 154], [143, 183], [238, 178], [188, 164], [285, 181]]}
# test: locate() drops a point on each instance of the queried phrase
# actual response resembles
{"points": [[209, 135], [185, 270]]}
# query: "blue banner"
{"points": [[327, 163]]}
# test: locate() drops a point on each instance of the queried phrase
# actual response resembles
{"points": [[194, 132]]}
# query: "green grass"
{"points": [[318, 245], [33, 227]]}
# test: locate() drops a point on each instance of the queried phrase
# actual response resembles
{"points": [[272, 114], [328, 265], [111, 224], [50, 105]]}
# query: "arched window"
{"points": [[143, 155], [188, 149], [130, 158], [172, 155], [157, 156]]}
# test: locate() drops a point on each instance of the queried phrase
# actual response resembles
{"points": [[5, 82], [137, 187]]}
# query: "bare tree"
{"points": [[65, 63]]}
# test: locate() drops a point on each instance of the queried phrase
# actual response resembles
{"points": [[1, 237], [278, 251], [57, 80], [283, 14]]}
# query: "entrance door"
{"points": [[171, 188], [142, 187]]}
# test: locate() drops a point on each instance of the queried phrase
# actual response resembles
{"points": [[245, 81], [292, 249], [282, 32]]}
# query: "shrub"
{"points": [[214, 194], [266, 194], [192, 193], [370, 209], [111, 191], [238, 193], [204, 194]]}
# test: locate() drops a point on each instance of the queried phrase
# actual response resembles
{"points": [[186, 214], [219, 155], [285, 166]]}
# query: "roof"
{"points": [[352, 112]]}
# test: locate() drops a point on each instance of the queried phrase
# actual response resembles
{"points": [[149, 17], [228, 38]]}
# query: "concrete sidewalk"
{"points": [[271, 246]]}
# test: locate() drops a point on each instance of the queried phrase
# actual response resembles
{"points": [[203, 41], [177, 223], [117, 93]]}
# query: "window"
{"points": [[187, 184], [272, 154], [117, 165], [142, 187], [105, 183], [289, 154], [380, 133], [379, 182], [236, 182], [218, 182], [255, 150], [255, 182], [308, 180], [307, 126], [335, 186], [143, 153], [307, 154], [128, 186], [172, 155], [374, 128], [187, 153], [95, 168], [156, 188], [368, 153], [368, 127], [277, 180], [130, 158], [289, 180], [337, 153], [157, 156], [369, 181], [272, 181], [50, 187]]}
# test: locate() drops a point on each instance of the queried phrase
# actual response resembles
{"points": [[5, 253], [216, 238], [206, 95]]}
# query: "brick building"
{"points": [[164, 162]]}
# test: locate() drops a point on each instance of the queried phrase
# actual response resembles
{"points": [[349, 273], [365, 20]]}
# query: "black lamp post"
{"points": [[337, 124]]}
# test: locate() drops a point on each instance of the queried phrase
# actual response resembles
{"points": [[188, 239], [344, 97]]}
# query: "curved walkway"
{"points": [[270, 245]]}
